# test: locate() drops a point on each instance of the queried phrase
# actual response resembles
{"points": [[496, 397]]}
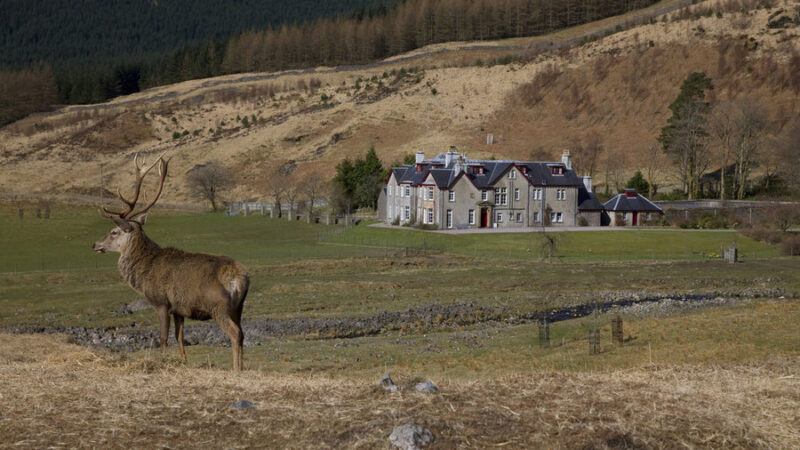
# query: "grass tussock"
{"points": [[76, 397]]}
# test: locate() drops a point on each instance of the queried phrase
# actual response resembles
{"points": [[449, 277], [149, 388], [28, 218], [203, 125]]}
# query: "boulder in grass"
{"points": [[427, 386], [242, 405], [387, 384], [411, 437]]}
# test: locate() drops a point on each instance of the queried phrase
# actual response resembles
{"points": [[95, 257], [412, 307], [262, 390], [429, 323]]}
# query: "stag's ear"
{"points": [[140, 219]]}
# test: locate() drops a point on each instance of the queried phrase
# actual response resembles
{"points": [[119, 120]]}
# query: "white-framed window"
{"points": [[624, 216], [500, 196], [430, 193], [516, 193], [537, 194], [512, 174], [519, 217], [499, 217], [451, 196], [408, 191], [408, 213], [535, 216], [552, 217], [484, 195], [561, 194], [430, 215], [449, 218], [559, 217], [472, 217]]}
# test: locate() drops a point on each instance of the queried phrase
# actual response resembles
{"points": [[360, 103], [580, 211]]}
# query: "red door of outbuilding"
{"points": [[635, 219]]}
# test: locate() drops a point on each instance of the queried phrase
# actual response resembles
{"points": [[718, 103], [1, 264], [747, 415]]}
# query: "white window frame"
{"points": [[501, 196], [516, 193], [429, 191], [430, 215], [408, 212], [536, 216], [559, 217], [408, 191], [484, 195], [471, 216], [552, 217], [499, 217], [449, 217], [451, 196], [512, 174], [519, 217], [624, 216], [537, 194]]}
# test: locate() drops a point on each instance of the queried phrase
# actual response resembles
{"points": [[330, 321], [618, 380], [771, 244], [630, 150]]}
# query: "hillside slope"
{"points": [[618, 87]]}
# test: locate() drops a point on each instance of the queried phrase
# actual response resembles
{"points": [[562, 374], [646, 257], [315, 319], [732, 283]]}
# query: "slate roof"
{"points": [[587, 201], [539, 173], [636, 203]]}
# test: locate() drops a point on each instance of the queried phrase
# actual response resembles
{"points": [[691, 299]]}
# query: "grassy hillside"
{"points": [[617, 88]]}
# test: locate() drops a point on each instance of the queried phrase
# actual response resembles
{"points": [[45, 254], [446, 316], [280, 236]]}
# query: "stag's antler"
{"points": [[141, 171]]}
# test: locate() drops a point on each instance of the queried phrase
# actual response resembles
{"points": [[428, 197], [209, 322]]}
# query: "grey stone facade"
{"points": [[453, 192]]}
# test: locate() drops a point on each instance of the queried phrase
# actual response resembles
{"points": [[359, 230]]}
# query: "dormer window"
{"points": [[512, 174], [419, 168], [630, 193], [557, 170], [477, 170], [525, 170]]}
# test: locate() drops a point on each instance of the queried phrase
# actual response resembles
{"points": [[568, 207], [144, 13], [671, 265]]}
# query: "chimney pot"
{"points": [[420, 157]]}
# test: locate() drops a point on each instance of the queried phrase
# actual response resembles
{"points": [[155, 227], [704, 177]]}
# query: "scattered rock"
{"points": [[387, 384], [427, 386], [242, 405], [411, 437]]}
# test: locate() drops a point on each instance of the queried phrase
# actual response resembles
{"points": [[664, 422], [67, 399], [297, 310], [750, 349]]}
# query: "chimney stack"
{"points": [[567, 159], [587, 181], [420, 157]]}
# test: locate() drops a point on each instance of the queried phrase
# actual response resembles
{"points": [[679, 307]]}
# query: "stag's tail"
{"points": [[234, 279]]}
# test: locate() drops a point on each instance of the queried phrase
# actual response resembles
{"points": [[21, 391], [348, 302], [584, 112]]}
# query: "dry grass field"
{"points": [[619, 85], [58, 395]]}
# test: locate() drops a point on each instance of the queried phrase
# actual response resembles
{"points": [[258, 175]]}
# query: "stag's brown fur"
{"points": [[178, 284]]}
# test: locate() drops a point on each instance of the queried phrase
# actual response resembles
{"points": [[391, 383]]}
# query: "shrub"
{"points": [[582, 222], [790, 245]]}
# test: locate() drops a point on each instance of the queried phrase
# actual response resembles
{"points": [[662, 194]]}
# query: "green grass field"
{"points": [[49, 275]]}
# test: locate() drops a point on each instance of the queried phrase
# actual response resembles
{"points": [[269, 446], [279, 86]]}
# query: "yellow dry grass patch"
{"points": [[55, 394]]}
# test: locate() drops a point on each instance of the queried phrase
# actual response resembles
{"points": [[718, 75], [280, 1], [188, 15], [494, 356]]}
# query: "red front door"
{"points": [[484, 217], [635, 219]]}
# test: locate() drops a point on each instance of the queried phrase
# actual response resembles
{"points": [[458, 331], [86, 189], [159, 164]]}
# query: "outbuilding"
{"points": [[631, 209]]}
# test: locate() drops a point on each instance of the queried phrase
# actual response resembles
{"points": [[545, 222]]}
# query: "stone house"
{"points": [[631, 209], [451, 191]]}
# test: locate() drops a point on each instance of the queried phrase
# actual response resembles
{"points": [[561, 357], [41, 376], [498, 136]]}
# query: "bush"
{"points": [[790, 245], [582, 222]]}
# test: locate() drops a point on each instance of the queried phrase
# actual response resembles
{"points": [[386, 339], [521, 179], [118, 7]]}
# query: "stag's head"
{"points": [[129, 221]]}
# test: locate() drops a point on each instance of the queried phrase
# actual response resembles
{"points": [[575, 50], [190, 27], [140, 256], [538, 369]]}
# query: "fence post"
{"points": [[544, 333], [616, 330]]}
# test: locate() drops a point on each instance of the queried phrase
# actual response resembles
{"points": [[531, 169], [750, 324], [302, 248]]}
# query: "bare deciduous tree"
{"points": [[312, 186], [587, 153], [208, 181], [737, 126], [654, 168]]}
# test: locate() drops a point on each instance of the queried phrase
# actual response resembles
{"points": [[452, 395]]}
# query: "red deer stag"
{"points": [[194, 285]]}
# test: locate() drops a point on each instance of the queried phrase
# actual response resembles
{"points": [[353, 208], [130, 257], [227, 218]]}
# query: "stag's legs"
{"points": [[163, 319], [179, 333], [234, 332]]}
